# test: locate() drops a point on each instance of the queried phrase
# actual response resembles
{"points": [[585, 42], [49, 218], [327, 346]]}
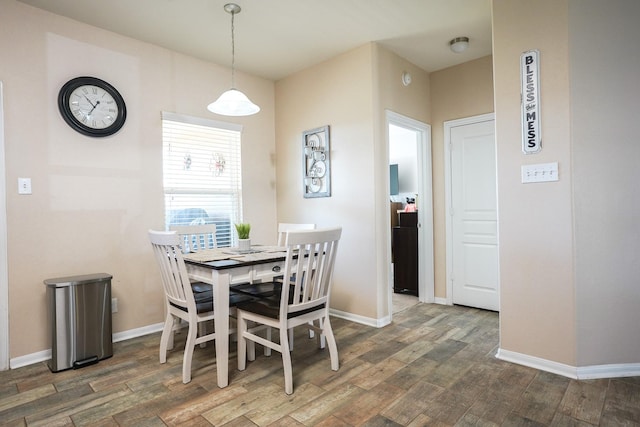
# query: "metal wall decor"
{"points": [[217, 164], [315, 162]]}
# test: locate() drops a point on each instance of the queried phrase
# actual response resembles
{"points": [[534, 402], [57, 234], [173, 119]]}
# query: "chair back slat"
{"points": [[285, 227], [310, 260], [167, 250], [195, 238]]}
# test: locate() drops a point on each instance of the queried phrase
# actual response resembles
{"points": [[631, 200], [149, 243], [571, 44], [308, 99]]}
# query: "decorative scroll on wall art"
{"points": [[316, 165]]}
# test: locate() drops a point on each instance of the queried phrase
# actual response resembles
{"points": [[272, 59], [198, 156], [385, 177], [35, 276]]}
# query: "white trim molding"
{"points": [[41, 356], [575, 372], [4, 266], [138, 332], [426, 275], [30, 359], [369, 321], [44, 355]]}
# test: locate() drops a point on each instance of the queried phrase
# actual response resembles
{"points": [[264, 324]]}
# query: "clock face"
{"points": [[92, 106]]}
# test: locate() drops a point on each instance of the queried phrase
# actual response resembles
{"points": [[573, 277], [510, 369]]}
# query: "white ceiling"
{"points": [[275, 38]]}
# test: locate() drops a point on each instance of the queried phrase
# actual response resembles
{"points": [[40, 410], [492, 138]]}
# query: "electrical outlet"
{"points": [[114, 305], [24, 185]]}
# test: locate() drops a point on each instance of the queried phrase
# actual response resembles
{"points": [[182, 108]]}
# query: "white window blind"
{"points": [[202, 174]]}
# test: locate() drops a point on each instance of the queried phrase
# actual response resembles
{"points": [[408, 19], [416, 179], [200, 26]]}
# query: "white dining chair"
{"points": [[196, 237], [310, 259], [186, 301], [269, 289]]}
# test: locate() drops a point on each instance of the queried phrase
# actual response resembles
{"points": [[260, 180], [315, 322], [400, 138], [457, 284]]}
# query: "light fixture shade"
{"points": [[459, 44], [233, 103]]}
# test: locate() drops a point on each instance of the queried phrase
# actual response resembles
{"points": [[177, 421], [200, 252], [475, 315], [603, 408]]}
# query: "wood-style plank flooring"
{"points": [[434, 365]]}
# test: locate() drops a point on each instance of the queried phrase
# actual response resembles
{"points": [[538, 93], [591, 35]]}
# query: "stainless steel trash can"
{"points": [[80, 319]]}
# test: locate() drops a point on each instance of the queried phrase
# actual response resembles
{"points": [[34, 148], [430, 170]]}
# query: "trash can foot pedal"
{"points": [[85, 362]]}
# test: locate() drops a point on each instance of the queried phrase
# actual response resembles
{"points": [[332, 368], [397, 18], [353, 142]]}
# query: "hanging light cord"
{"points": [[233, 52]]}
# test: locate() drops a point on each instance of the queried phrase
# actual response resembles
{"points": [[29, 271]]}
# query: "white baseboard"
{"points": [[441, 301], [579, 373], [41, 356], [29, 359], [609, 371], [138, 332], [376, 323]]}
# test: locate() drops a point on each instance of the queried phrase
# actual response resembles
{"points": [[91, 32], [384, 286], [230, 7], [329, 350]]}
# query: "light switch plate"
{"points": [[24, 185], [542, 172]]}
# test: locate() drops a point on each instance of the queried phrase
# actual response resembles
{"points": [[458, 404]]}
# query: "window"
{"points": [[202, 175]]}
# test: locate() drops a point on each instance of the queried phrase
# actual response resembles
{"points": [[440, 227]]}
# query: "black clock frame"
{"points": [[69, 117]]}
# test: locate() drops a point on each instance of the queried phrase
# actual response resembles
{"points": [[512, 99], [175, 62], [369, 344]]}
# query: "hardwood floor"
{"points": [[402, 302], [434, 365]]}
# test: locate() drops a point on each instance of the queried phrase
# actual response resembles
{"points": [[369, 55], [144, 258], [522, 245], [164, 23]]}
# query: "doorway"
{"points": [[471, 220], [420, 133]]}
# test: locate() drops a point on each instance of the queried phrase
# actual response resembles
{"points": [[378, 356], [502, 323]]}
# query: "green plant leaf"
{"points": [[243, 230]]}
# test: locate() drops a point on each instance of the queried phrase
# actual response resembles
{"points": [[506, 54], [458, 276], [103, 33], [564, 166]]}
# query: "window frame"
{"points": [[178, 207]]}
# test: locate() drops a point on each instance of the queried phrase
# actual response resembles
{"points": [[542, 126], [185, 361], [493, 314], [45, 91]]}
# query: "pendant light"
{"points": [[233, 102]]}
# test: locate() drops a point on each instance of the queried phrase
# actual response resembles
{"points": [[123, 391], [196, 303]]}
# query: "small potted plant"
{"points": [[244, 242]]}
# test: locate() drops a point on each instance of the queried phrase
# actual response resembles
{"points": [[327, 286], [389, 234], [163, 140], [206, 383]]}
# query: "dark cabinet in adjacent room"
{"points": [[405, 254]]}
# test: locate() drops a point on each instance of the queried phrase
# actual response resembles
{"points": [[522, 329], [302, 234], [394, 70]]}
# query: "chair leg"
{"points": [[251, 350], [331, 340], [188, 352], [267, 350], [286, 361], [291, 339], [202, 331], [166, 338], [321, 338], [242, 343]]}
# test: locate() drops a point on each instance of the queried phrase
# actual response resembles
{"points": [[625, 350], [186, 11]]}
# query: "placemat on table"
{"points": [[207, 255], [257, 256]]}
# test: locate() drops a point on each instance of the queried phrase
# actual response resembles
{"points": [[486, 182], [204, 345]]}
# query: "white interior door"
{"points": [[473, 220]]}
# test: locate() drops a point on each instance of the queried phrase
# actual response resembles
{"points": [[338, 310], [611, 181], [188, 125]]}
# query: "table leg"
{"points": [[221, 314]]}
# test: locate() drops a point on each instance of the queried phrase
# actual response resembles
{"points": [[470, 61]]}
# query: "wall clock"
{"points": [[92, 106]]}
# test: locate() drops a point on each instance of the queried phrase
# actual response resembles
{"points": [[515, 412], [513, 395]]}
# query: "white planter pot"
{"points": [[244, 244]]}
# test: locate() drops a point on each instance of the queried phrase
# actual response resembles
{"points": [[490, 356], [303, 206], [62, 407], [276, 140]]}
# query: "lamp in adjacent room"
{"points": [[459, 44], [233, 102]]}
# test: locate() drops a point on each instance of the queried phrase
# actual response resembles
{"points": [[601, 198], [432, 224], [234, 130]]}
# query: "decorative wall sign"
{"points": [[316, 179], [530, 95]]}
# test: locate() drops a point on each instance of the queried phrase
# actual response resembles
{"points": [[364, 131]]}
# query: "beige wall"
{"points": [[537, 300], [569, 250], [335, 93], [456, 92], [349, 93], [411, 101], [94, 199], [605, 154]]}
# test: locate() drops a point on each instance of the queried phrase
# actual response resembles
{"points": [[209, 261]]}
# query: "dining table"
{"points": [[223, 268]]}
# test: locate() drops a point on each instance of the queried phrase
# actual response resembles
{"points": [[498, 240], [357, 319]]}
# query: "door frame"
{"points": [[4, 276], [424, 204], [448, 126]]}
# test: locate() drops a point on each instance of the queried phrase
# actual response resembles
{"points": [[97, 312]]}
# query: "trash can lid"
{"points": [[78, 280]]}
